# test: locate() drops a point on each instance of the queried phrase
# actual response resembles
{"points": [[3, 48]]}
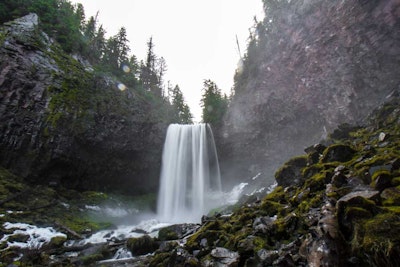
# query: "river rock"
{"points": [[176, 231], [141, 245]]}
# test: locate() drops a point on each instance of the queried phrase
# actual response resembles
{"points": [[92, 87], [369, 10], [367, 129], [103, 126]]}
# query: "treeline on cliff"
{"points": [[68, 25]]}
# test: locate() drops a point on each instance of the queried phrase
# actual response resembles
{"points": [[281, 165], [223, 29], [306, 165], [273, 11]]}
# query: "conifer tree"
{"points": [[182, 110], [214, 103]]}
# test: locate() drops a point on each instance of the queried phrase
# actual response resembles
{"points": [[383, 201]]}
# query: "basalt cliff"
{"points": [[63, 123], [310, 66]]}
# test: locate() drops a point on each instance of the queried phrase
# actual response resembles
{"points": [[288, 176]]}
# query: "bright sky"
{"points": [[197, 38]]}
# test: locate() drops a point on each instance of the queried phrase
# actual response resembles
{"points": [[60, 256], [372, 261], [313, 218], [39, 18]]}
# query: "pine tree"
{"points": [[214, 103], [182, 110]]}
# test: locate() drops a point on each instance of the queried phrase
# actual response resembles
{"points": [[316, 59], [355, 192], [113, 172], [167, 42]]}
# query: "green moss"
{"points": [[337, 153], [141, 245], [314, 169], [277, 195], [393, 209], [318, 181], [91, 259], [160, 259], [382, 237], [356, 213], [167, 233], [92, 197], [3, 36], [384, 176], [379, 158], [57, 241], [80, 223], [272, 208]]}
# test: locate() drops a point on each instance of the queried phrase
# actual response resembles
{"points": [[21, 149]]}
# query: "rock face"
{"points": [[311, 66], [62, 123]]}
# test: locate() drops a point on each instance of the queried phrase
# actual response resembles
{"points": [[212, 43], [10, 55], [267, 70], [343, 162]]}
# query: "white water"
{"points": [[190, 182]]}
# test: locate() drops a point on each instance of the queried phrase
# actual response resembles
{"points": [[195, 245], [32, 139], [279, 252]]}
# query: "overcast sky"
{"points": [[197, 38]]}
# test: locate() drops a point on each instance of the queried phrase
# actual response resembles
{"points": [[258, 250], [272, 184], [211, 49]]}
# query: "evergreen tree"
{"points": [[214, 103], [182, 110], [148, 71], [116, 51]]}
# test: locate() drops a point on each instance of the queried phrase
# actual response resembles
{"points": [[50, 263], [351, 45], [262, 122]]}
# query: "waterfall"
{"points": [[190, 181]]}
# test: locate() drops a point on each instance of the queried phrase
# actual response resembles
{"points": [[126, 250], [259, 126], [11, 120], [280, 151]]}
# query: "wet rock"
{"points": [[93, 254], [176, 231], [267, 257], [224, 257], [141, 245]]}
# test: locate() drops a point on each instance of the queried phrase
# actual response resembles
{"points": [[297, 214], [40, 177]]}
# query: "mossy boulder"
{"points": [[57, 241], [379, 238], [141, 245], [356, 206], [291, 172], [338, 152], [391, 196], [176, 231], [381, 180], [314, 153]]}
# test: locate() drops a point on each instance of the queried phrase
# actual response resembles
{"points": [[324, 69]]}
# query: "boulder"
{"points": [[381, 179], [141, 245], [338, 152], [391, 196], [290, 173], [176, 231], [224, 257]]}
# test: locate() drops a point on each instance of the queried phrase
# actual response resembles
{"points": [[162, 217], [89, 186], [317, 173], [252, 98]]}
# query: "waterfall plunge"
{"points": [[190, 182]]}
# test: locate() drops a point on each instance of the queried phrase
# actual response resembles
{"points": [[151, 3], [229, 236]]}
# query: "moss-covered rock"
{"points": [[291, 172], [141, 245], [381, 180], [338, 152], [391, 196]]}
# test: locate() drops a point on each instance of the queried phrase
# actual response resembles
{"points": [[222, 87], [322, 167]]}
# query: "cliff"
{"points": [[62, 122], [310, 66]]}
